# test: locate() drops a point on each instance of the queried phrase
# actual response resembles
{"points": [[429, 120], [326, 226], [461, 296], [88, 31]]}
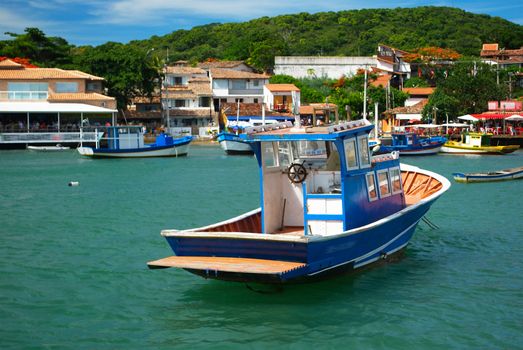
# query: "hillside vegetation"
{"points": [[344, 33]]}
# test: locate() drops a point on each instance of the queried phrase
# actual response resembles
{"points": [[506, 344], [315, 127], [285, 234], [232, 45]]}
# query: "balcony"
{"points": [[23, 95], [245, 92]]}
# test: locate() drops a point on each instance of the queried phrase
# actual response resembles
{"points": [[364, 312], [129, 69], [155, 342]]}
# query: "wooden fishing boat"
{"points": [[410, 144], [327, 206], [128, 142], [499, 175], [476, 143]]}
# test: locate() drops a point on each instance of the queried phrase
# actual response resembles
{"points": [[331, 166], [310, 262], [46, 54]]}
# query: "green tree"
{"points": [[43, 51], [128, 71], [467, 90]]}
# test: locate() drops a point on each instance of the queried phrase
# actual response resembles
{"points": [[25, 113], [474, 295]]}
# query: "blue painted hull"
{"points": [[322, 257]]}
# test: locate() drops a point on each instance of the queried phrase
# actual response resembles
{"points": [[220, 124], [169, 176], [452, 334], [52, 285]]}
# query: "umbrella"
{"points": [[468, 117], [514, 117]]}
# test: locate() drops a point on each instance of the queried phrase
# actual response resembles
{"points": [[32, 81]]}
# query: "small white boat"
{"points": [[48, 148], [128, 142], [499, 175]]}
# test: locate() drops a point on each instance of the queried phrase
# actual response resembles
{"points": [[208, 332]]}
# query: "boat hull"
{"points": [[176, 150], [233, 144], [503, 175], [460, 148]]}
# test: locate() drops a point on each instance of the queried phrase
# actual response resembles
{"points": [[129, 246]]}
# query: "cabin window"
{"points": [[268, 157], [383, 183], [350, 153], [371, 186], [284, 153], [395, 179], [312, 149], [363, 145]]}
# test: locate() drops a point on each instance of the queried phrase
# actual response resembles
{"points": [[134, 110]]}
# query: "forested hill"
{"points": [[354, 33]]}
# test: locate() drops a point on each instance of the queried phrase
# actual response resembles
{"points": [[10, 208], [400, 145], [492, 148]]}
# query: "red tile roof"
{"points": [[219, 73], [282, 87], [425, 91]]}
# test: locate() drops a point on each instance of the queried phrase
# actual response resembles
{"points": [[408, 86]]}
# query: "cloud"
{"points": [[139, 11]]}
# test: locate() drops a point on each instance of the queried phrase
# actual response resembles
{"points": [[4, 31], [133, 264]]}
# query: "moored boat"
{"points": [[410, 144], [128, 142], [327, 206], [57, 147], [498, 175], [476, 143]]}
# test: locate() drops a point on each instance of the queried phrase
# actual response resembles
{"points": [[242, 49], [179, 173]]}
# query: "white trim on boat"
{"points": [[376, 250]]}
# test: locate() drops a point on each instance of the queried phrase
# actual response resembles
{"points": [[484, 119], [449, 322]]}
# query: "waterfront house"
{"points": [[232, 86], [48, 105], [504, 58], [186, 97], [282, 97]]}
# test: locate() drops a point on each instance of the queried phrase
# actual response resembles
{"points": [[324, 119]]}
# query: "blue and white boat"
{"points": [[410, 144], [327, 206], [232, 127], [128, 142], [499, 175]]}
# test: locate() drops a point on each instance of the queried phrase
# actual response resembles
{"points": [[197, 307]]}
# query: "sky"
{"points": [[94, 22]]}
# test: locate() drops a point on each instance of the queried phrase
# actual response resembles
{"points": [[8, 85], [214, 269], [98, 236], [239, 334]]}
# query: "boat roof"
{"points": [[286, 132]]}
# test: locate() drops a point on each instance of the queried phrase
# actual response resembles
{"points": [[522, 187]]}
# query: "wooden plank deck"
{"points": [[224, 264]]}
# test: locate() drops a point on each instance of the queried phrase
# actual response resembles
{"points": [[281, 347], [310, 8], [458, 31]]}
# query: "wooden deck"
{"points": [[224, 264]]}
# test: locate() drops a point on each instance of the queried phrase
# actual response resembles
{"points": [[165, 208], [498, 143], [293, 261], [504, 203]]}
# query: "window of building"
{"points": [[62, 87], [220, 84], [239, 84], [239, 100], [27, 91], [179, 103], [94, 86], [383, 183], [177, 80], [395, 179], [350, 153], [255, 100], [371, 186], [256, 82], [205, 101]]}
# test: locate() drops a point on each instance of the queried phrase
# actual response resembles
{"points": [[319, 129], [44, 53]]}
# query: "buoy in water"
{"points": [[74, 183]]}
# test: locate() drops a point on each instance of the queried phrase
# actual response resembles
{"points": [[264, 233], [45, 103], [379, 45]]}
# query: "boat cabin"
{"points": [[323, 181]]}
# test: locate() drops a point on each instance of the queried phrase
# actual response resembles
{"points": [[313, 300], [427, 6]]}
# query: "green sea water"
{"points": [[73, 269]]}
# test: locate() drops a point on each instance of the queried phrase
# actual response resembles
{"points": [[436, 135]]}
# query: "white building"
{"points": [[236, 86], [332, 67]]}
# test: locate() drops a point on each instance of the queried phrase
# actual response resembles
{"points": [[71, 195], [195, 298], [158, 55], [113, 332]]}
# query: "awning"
{"points": [[46, 107], [488, 116]]}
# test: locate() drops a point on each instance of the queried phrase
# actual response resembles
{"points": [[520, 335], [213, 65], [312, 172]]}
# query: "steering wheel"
{"points": [[296, 173]]}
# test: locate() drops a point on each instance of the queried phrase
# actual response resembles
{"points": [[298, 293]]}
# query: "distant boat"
{"points": [[410, 144], [231, 128], [48, 148], [231, 143], [327, 207], [476, 143], [499, 175], [128, 142]]}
